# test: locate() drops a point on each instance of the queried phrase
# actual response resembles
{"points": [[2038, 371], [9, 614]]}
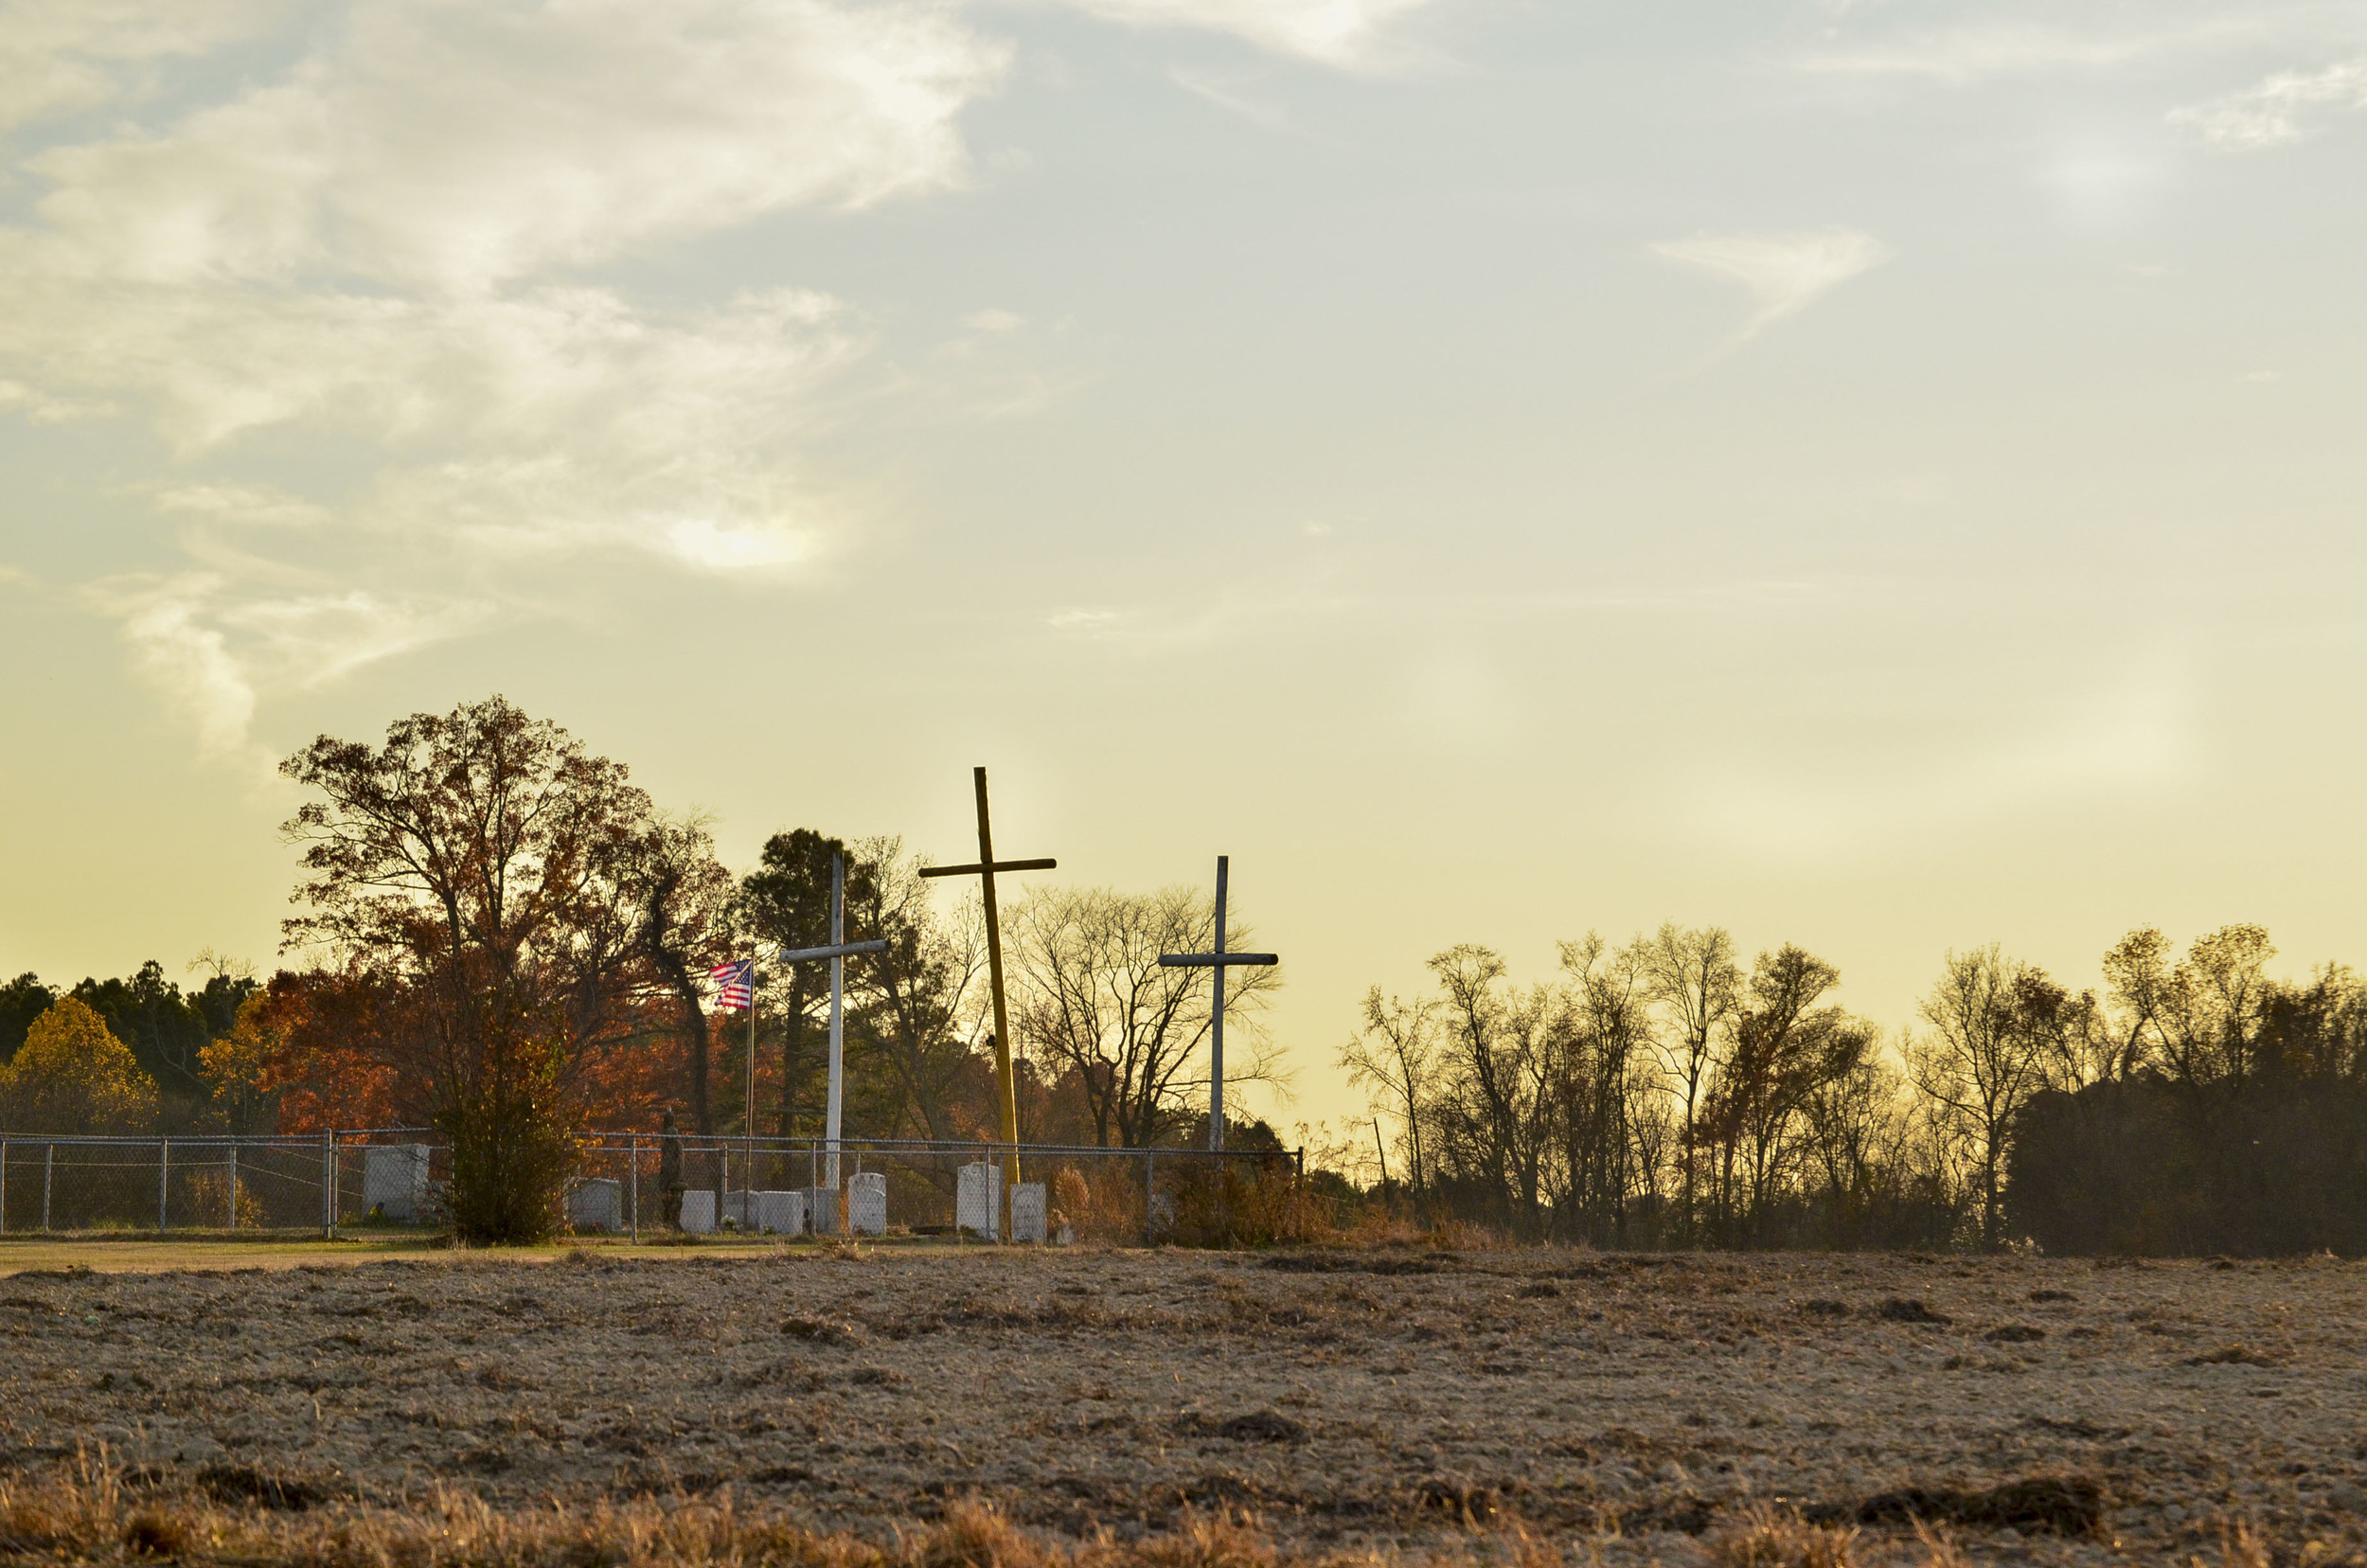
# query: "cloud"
{"points": [[1092, 622], [209, 647], [460, 145], [1227, 95], [2274, 112], [59, 55], [257, 506], [1347, 34], [184, 660], [380, 250], [2007, 45], [1784, 272]]}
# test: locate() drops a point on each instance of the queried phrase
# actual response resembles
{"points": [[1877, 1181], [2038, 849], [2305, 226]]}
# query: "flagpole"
{"points": [[748, 1109]]}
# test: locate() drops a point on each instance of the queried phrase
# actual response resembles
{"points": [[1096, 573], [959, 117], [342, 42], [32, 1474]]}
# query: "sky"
{"points": [[1882, 474]]}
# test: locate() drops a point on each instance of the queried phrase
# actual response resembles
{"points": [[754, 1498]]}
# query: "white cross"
{"points": [[837, 952], [1219, 961]]}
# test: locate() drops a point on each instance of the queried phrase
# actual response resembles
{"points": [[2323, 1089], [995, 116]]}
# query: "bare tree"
{"points": [[1783, 1046], [1694, 975], [1397, 1055], [1605, 1050], [1096, 1002], [2137, 982], [1496, 1113], [1983, 1059], [1855, 1122], [921, 997], [2214, 1006]]}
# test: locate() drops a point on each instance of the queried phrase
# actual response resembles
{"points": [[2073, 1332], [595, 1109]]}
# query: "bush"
{"points": [[1233, 1205], [511, 1155]]}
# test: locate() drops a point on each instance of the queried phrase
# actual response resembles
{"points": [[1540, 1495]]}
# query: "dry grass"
{"points": [[1766, 1537], [90, 1512], [872, 1407]]}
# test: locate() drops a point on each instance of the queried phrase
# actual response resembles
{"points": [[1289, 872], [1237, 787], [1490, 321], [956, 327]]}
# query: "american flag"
{"points": [[736, 980]]}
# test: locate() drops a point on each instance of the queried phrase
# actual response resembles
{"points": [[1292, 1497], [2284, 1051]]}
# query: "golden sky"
{"points": [[1882, 476]]}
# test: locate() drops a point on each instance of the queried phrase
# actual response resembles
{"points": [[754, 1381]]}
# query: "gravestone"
{"points": [[780, 1213], [394, 1181], [821, 1209], [698, 1211], [597, 1203], [1027, 1212], [866, 1203], [977, 1198]]}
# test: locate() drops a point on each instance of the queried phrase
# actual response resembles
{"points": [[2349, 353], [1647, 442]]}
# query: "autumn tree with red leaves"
{"points": [[487, 898]]}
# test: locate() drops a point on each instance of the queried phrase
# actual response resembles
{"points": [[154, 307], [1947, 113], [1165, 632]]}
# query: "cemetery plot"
{"points": [[1347, 1400]]}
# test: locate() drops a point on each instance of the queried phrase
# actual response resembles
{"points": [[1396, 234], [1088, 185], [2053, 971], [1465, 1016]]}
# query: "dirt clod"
{"points": [[2055, 1504], [1902, 1310]]}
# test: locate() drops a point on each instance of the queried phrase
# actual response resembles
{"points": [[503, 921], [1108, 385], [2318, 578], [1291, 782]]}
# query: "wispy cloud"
{"points": [[2278, 108], [57, 56], [1226, 94], [1347, 34], [2054, 39], [382, 248], [1784, 272], [211, 646]]}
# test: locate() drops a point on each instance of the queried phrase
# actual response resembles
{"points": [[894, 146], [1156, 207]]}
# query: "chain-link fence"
{"points": [[89, 1186], [637, 1184], [656, 1186]]}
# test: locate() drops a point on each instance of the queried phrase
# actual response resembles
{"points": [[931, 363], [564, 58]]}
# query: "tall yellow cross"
{"points": [[984, 869]]}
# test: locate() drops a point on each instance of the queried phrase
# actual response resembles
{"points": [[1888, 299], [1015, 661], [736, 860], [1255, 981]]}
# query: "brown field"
{"points": [[1496, 1405]]}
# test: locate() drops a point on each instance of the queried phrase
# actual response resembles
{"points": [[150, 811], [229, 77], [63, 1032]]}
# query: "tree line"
{"points": [[502, 937], [1662, 1093]]}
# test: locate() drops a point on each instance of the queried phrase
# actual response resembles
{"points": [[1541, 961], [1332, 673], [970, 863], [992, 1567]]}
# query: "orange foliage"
{"points": [[317, 1043]]}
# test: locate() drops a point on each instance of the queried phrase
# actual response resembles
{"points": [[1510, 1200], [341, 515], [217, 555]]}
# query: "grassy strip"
{"points": [[88, 1511]]}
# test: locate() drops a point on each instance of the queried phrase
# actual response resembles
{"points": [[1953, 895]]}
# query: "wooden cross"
{"points": [[983, 871], [1219, 961], [837, 952]]}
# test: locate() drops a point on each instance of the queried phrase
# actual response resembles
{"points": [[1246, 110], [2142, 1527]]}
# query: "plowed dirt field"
{"points": [[1402, 1399]]}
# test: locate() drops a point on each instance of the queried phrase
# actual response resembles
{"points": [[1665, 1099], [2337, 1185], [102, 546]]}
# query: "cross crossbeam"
{"points": [[984, 868], [843, 950], [1220, 961], [976, 869]]}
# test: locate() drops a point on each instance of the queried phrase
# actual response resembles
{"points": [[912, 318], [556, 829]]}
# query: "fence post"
{"points": [[164, 1180], [632, 1177], [1151, 1199], [233, 1217], [3, 1185], [329, 1184], [48, 1167]]}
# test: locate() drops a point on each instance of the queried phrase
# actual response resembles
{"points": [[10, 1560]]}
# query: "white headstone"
{"points": [[394, 1181], [1027, 1212], [978, 1199], [779, 1213], [822, 1209], [597, 1203], [866, 1203], [698, 1211]]}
